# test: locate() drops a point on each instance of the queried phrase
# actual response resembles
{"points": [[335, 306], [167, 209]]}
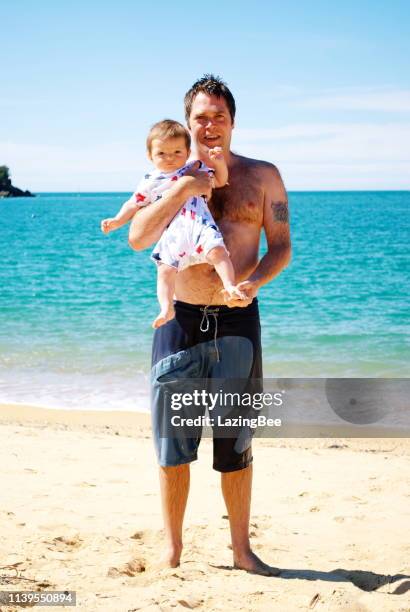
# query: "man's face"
{"points": [[210, 122]]}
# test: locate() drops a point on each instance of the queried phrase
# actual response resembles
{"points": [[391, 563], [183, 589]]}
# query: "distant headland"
{"points": [[7, 190]]}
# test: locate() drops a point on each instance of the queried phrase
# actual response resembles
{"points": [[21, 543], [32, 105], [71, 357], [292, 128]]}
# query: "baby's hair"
{"points": [[168, 128]]}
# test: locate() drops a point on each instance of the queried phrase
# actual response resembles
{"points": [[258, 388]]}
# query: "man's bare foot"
{"points": [[251, 563], [170, 558], [163, 317]]}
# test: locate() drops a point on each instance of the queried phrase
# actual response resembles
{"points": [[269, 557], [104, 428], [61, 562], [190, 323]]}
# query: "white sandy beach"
{"points": [[80, 510]]}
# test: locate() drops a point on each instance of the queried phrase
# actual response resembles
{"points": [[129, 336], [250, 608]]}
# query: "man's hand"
{"points": [[249, 288], [231, 292], [198, 183]]}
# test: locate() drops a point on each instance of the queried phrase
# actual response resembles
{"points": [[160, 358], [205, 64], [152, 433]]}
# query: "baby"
{"points": [[192, 237]]}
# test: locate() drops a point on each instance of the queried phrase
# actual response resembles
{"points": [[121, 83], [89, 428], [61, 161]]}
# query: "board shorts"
{"points": [[209, 343]]}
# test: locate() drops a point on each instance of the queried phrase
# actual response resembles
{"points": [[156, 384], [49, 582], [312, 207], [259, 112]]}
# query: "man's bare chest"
{"points": [[240, 201]]}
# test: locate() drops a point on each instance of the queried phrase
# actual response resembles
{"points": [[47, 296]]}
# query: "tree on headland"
{"points": [[6, 188], [4, 177]]}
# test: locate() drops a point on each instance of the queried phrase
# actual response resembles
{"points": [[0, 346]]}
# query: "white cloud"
{"points": [[373, 176], [309, 155], [335, 142], [373, 100], [112, 166], [334, 156]]}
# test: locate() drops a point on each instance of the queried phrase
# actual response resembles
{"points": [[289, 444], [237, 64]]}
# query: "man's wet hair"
{"points": [[168, 128], [213, 86]]}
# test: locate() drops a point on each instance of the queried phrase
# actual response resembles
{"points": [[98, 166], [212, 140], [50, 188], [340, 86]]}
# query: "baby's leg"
{"points": [[165, 292], [219, 258]]}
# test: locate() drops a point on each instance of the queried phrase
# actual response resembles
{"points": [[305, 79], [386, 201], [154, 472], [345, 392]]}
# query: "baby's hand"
{"points": [[216, 154], [108, 225]]}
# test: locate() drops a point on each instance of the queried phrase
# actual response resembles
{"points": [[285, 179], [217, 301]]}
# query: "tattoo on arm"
{"points": [[280, 212]]}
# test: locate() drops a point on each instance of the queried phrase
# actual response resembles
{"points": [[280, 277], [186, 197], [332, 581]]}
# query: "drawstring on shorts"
{"points": [[204, 326]]}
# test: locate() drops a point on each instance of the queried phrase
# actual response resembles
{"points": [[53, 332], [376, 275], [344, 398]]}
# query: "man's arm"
{"points": [[277, 231], [150, 222]]}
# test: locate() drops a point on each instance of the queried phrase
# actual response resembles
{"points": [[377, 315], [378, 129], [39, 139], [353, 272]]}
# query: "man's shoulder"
{"points": [[258, 166]]}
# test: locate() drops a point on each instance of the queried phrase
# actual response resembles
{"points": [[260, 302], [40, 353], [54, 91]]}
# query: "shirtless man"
{"points": [[229, 345]]}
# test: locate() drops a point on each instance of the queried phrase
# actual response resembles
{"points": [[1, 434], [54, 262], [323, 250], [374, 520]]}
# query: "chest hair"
{"points": [[240, 201]]}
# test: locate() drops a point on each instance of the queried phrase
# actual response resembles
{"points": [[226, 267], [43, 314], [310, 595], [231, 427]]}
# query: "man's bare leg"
{"points": [[236, 489], [174, 485]]}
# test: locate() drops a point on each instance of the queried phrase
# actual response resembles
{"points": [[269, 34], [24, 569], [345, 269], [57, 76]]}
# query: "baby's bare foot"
{"points": [[233, 293], [164, 316]]}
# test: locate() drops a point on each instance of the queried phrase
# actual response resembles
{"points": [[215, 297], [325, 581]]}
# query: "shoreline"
{"points": [[30, 414]]}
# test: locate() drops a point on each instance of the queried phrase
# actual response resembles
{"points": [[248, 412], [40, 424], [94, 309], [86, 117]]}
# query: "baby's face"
{"points": [[169, 154]]}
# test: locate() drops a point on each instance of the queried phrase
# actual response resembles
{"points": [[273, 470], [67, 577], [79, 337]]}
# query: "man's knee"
{"points": [[174, 476], [243, 471], [174, 469]]}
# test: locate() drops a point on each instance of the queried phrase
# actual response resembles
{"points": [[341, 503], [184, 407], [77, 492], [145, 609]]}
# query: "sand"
{"points": [[80, 510]]}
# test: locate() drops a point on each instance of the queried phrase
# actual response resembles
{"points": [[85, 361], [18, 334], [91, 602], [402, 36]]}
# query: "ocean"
{"points": [[76, 306]]}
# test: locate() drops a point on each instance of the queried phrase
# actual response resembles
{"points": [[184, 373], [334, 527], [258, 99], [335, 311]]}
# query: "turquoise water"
{"points": [[76, 306]]}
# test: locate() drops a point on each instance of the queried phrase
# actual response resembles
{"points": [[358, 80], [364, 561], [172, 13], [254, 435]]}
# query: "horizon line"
{"points": [[288, 191]]}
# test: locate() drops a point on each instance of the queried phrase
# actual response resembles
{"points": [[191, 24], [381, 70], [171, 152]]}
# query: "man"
{"points": [[209, 338]]}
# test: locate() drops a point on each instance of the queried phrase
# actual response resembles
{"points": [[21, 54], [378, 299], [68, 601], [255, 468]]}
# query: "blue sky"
{"points": [[322, 88]]}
